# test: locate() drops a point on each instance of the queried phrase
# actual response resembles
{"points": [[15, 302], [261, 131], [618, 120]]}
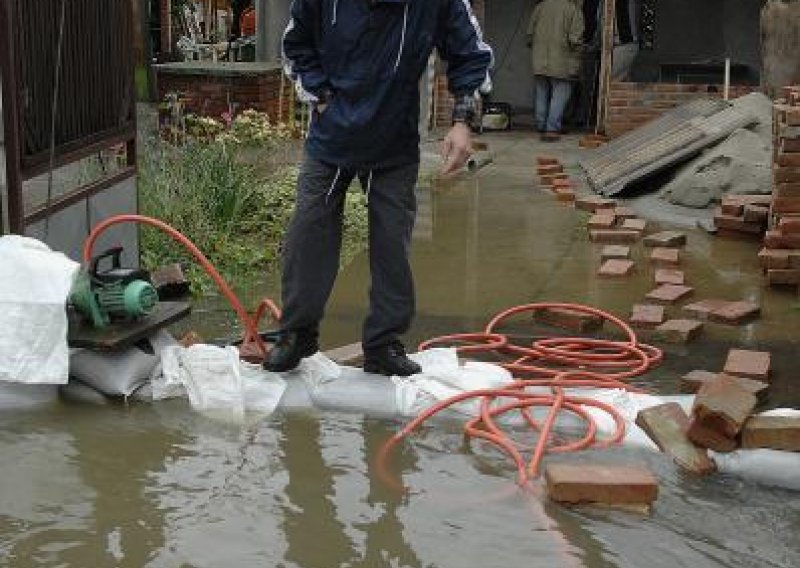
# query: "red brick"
{"points": [[786, 175], [691, 382], [779, 240], [669, 276], [616, 268], [548, 179], [615, 251], [774, 258], [749, 364], [614, 236], [592, 483], [547, 160], [624, 213], [735, 313], [669, 293], [667, 425], [665, 256], [772, 432], [703, 309], [721, 408], [756, 214], [788, 159], [594, 203], [565, 318], [786, 204], [722, 221], [564, 194], [787, 190], [602, 220], [790, 145], [732, 208], [665, 239], [647, 316], [679, 331], [763, 199], [634, 224], [549, 169], [789, 225], [783, 277]]}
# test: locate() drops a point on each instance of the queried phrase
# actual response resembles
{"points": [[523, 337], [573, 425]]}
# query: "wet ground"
{"points": [[160, 486]]}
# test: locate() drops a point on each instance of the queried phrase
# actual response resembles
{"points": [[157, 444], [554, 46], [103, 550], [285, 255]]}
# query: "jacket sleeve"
{"points": [[460, 42], [300, 51], [575, 31]]}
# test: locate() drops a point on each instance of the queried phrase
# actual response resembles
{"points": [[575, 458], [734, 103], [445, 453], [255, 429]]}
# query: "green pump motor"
{"points": [[112, 295]]}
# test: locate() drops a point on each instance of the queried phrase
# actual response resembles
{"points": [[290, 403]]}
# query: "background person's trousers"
{"points": [[551, 98], [313, 244]]}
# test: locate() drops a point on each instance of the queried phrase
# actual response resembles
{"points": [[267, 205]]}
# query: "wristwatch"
{"points": [[464, 109]]}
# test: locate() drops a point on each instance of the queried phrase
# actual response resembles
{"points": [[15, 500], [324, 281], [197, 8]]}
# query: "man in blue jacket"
{"points": [[358, 64]]}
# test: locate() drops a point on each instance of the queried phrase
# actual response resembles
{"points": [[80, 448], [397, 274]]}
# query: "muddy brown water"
{"points": [[160, 486]]}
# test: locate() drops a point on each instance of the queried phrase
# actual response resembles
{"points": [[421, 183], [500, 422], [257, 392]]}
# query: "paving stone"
{"points": [[572, 320], [594, 203], [602, 221], [679, 331], [667, 425], [703, 309], [691, 383], [670, 276], [735, 313], [749, 364], [546, 160], [661, 256], [616, 268], [614, 236], [721, 408], [621, 252], [665, 239], [670, 293], [593, 483], [351, 355], [634, 224], [772, 432], [647, 316]]}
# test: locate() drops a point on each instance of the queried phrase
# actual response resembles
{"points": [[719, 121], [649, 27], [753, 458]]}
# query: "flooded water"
{"points": [[160, 486]]}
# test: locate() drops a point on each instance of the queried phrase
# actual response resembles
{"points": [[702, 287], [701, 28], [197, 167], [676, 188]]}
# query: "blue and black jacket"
{"points": [[364, 58]]}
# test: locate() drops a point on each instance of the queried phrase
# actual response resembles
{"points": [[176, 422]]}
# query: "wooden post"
{"points": [[606, 63]]}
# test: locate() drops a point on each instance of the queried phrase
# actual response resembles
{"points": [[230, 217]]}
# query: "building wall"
{"points": [[780, 28], [506, 25], [632, 104]]}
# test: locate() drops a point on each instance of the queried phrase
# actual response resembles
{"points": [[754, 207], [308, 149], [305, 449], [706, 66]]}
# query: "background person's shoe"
{"points": [[291, 348], [390, 360]]}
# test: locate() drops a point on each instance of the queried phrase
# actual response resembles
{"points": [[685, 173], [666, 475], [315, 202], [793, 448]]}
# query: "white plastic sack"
{"points": [[34, 286], [216, 381], [119, 373]]}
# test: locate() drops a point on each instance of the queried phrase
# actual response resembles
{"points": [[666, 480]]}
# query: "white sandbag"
{"points": [[18, 396], [767, 467], [217, 382], [34, 286], [120, 373]]}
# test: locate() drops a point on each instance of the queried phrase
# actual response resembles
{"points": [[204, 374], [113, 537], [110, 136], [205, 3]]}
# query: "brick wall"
{"points": [[210, 95], [632, 104]]}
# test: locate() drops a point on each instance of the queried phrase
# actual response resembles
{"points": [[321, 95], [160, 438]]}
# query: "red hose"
{"points": [[572, 362], [252, 339]]}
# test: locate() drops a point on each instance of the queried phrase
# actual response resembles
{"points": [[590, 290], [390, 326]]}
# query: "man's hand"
{"points": [[456, 148]]}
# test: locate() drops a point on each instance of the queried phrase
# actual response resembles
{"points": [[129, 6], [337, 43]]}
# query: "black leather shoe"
{"points": [[390, 360], [290, 349]]}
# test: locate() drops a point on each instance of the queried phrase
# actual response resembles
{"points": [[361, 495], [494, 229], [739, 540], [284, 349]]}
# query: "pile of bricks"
{"points": [[743, 214], [552, 177], [592, 141], [781, 254]]}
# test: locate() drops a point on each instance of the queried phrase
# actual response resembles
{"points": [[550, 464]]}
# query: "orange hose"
{"points": [[561, 363], [250, 326]]}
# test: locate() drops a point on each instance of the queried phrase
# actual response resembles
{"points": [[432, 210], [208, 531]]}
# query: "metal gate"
{"points": [[67, 70]]}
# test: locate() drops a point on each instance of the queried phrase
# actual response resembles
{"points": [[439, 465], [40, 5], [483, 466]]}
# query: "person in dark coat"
{"points": [[358, 64]]}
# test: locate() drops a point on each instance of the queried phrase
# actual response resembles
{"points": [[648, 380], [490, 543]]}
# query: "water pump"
{"points": [[115, 294]]}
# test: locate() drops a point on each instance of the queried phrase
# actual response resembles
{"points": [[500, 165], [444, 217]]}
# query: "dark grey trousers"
{"points": [[314, 239]]}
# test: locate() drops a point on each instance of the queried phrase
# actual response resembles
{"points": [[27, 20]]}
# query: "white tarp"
{"points": [[34, 286]]}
